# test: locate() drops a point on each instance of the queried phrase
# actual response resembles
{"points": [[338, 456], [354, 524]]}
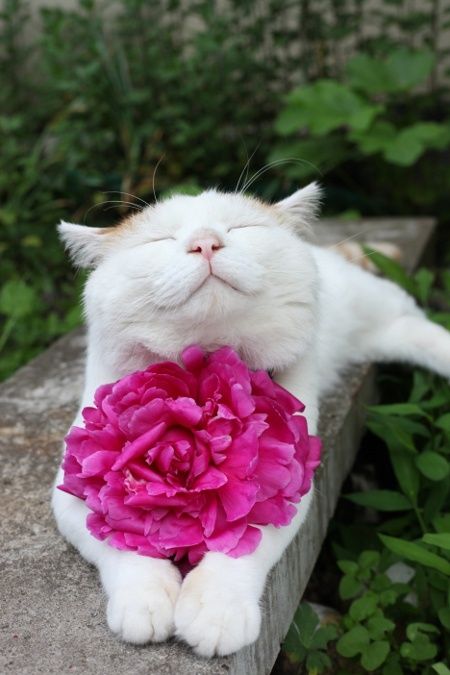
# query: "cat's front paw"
{"points": [[146, 614], [214, 617]]}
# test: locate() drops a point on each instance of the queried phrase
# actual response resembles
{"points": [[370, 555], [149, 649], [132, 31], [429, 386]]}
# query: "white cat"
{"points": [[225, 269]]}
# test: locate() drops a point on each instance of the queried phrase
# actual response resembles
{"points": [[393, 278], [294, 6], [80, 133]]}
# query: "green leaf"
{"points": [[353, 642], [375, 655], [401, 71], [410, 427], [441, 668], [322, 636], [406, 473], [436, 401], [398, 409], [348, 567], [421, 386], [317, 662], [436, 501], [420, 648], [402, 146], [404, 149], [324, 106], [444, 617], [408, 68], [369, 560], [292, 644], [396, 431], [416, 553], [444, 422], [391, 269], [406, 146], [432, 465], [349, 587], [424, 279], [396, 526], [363, 607], [382, 500], [415, 630], [17, 300], [306, 621], [442, 540], [378, 625], [392, 666], [368, 74], [418, 651], [442, 522], [376, 139]]}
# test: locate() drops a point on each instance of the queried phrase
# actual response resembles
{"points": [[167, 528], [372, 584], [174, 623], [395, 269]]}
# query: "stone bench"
{"points": [[52, 610]]}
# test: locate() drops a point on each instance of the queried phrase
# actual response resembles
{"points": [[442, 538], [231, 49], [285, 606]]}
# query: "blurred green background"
{"points": [[114, 97]]}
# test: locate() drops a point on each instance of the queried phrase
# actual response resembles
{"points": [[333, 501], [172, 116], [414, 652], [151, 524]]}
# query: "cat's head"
{"points": [[212, 269]]}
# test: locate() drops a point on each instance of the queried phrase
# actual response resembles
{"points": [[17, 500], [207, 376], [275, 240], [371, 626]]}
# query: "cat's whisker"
{"points": [[134, 208], [246, 168], [132, 205], [154, 177], [128, 194], [343, 241], [358, 258], [273, 164], [122, 202]]}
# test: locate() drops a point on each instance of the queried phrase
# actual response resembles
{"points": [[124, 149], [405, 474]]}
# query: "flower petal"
{"points": [[140, 445]]}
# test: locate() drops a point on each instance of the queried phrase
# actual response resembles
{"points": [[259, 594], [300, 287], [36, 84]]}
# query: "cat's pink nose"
{"points": [[207, 246]]}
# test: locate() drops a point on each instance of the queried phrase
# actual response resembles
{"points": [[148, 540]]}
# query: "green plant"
{"points": [[394, 588], [366, 627], [368, 624], [307, 640], [379, 112]]}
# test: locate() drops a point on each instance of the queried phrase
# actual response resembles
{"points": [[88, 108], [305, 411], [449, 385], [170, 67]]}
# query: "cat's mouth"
{"points": [[211, 277]]}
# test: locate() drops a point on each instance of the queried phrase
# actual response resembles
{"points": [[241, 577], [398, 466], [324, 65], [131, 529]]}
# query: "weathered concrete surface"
{"points": [[412, 235], [52, 609]]}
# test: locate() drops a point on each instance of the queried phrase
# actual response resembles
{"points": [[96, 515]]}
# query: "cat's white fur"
{"points": [[285, 305]]}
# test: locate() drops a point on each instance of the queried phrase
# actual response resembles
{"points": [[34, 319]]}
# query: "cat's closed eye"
{"points": [[244, 226], [168, 238]]}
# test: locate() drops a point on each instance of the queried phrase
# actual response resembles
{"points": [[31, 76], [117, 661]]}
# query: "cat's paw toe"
{"points": [[143, 615], [215, 621]]}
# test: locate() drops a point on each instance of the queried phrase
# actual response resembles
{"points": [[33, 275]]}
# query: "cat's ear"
{"points": [[302, 207], [86, 245]]}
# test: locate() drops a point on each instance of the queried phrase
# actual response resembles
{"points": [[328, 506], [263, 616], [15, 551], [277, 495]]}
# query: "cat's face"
{"points": [[213, 269]]}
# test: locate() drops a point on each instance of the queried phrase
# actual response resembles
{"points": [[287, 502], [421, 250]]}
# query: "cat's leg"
{"points": [[412, 338], [141, 591], [218, 610]]}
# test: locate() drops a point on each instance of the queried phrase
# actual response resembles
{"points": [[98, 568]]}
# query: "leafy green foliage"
{"points": [[381, 119], [362, 110], [307, 641], [394, 592]]}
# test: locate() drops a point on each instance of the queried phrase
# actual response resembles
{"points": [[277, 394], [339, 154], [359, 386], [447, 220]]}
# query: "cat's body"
{"points": [[213, 270]]}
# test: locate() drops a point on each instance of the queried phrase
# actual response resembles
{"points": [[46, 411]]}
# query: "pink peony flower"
{"points": [[174, 462]]}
